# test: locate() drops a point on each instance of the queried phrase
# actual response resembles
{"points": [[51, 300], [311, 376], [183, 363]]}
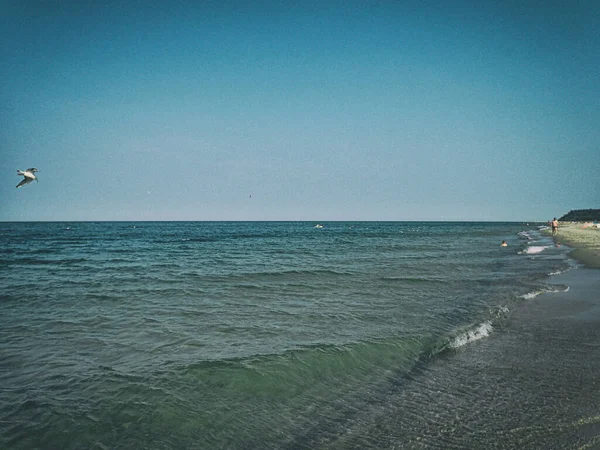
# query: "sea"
{"points": [[261, 335]]}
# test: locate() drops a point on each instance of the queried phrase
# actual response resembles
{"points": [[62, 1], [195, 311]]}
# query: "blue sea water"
{"points": [[242, 334]]}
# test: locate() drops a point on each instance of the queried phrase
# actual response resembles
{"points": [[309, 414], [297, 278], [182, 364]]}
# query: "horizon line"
{"points": [[277, 221]]}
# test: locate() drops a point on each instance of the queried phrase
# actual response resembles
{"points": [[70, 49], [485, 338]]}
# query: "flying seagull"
{"points": [[28, 176]]}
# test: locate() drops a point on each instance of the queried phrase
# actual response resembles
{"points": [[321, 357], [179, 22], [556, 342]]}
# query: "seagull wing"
{"points": [[24, 181], [32, 170]]}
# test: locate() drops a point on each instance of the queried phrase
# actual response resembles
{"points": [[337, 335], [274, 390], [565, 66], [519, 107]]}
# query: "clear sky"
{"points": [[299, 110]]}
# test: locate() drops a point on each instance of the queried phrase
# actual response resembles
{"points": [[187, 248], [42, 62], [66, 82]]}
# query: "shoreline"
{"points": [[532, 384], [584, 238]]}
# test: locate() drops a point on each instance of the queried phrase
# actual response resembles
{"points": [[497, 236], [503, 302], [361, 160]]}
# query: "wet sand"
{"points": [[584, 238]]}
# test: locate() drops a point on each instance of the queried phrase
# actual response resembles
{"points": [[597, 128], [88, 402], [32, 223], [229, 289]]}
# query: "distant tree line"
{"points": [[581, 215]]}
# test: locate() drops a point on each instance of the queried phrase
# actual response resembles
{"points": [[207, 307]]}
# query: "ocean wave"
{"points": [[531, 295], [414, 279], [558, 272], [499, 311], [479, 332], [534, 249], [547, 290], [525, 235], [285, 275], [33, 261]]}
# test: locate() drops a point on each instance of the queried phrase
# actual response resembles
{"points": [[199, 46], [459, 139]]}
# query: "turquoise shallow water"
{"points": [[241, 334]]}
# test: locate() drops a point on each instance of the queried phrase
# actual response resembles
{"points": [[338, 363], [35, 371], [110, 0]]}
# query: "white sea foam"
{"points": [[549, 290], [483, 330], [531, 295], [535, 249], [557, 272], [500, 311]]}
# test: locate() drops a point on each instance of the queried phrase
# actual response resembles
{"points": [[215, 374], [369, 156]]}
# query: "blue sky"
{"points": [[285, 110]]}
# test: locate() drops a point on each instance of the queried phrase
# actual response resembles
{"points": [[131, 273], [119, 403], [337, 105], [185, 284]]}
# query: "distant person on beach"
{"points": [[504, 244], [554, 226]]}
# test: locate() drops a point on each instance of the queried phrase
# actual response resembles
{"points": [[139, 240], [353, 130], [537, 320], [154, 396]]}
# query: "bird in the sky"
{"points": [[28, 176]]}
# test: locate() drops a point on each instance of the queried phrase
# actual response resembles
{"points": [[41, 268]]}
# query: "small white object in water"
{"points": [[28, 176]]}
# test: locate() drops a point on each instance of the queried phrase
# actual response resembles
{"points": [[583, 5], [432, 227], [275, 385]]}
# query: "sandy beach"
{"points": [[584, 238]]}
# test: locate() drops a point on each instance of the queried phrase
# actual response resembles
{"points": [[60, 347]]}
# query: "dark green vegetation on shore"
{"points": [[581, 215]]}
